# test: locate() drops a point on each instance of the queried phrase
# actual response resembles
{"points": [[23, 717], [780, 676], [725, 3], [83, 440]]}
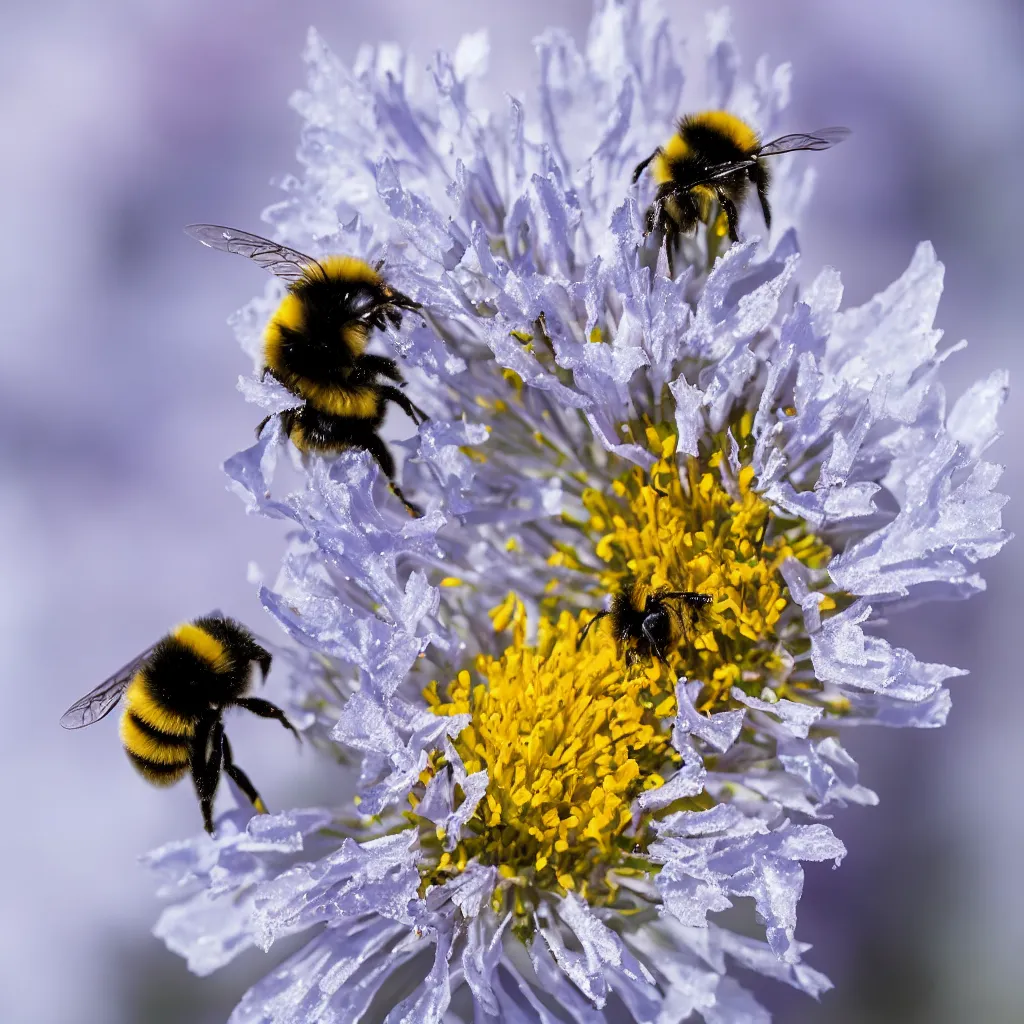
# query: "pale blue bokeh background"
{"points": [[121, 122]]}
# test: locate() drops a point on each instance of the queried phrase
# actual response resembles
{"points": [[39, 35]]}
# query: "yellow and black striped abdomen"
{"points": [[158, 741], [361, 402]]}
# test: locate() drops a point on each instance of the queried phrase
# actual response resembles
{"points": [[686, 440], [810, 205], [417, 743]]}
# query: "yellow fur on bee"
{"points": [[675, 149], [730, 126], [141, 703], [352, 403], [204, 646], [705, 197], [348, 268], [638, 594], [147, 747], [297, 436], [289, 315], [166, 776], [354, 336]]}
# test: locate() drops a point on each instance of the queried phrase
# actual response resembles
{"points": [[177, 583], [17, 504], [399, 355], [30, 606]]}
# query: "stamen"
{"points": [[568, 739], [706, 531]]}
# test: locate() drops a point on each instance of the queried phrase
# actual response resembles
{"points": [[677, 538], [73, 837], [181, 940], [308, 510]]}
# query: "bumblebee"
{"points": [[644, 622], [314, 345], [175, 694], [714, 156]]}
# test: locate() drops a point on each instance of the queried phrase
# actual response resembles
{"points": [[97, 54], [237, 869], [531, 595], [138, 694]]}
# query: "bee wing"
{"points": [[823, 138], [287, 264], [100, 702]]}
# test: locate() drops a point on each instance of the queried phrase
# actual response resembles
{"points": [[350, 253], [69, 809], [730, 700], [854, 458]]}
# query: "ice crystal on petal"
{"points": [[550, 817]]}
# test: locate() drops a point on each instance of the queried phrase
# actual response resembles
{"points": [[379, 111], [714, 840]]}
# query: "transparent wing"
{"points": [[824, 138], [287, 264], [100, 702]]}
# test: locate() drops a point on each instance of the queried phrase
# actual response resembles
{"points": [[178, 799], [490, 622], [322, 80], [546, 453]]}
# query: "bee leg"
{"points": [[760, 177], [653, 217], [414, 412], [383, 366], [639, 169], [240, 779], [404, 302], [205, 765], [263, 708], [373, 443], [586, 628], [262, 423], [659, 219], [414, 510], [731, 215]]}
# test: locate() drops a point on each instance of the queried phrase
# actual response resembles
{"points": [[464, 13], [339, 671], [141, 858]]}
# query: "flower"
{"points": [[549, 813]]}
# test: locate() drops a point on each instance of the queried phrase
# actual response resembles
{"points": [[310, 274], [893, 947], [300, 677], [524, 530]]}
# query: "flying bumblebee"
{"points": [[175, 694], [714, 156], [644, 622], [314, 345]]}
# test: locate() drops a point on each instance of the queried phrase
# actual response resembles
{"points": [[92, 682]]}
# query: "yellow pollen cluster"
{"points": [[568, 740], [704, 531]]}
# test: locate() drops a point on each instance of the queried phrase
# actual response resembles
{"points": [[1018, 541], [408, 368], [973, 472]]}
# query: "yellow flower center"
{"points": [[571, 730], [708, 532], [568, 740]]}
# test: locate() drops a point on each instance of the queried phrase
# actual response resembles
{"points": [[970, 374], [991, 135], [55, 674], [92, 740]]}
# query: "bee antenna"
{"points": [[586, 628]]}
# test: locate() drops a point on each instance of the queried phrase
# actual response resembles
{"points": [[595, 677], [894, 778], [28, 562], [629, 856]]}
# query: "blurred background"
{"points": [[124, 121]]}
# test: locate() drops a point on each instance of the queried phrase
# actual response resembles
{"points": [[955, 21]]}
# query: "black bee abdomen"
{"points": [[318, 431], [157, 772]]}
